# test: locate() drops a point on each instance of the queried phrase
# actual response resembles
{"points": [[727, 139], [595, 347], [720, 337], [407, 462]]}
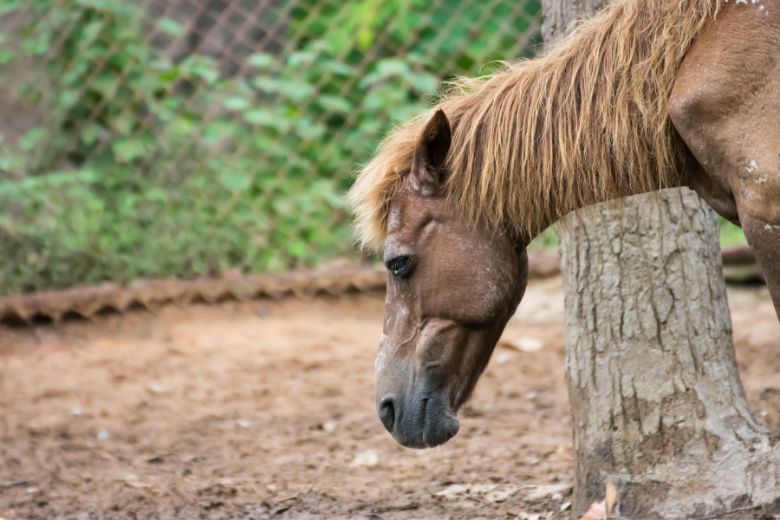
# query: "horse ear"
{"points": [[430, 155]]}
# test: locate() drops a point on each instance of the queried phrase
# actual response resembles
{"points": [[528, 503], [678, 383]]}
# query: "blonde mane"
{"points": [[587, 122]]}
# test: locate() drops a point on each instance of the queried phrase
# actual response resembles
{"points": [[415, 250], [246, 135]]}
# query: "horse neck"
{"points": [[590, 199], [585, 124]]}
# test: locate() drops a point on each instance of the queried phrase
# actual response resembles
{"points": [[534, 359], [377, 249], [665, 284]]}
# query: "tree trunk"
{"points": [[657, 404], [561, 15]]}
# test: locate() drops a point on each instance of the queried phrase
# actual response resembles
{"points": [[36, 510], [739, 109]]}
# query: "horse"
{"points": [[648, 94]]}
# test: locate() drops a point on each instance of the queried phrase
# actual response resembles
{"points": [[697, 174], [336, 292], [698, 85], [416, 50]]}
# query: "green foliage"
{"points": [[548, 239], [467, 34], [148, 167], [730, 235], [96, 84]]}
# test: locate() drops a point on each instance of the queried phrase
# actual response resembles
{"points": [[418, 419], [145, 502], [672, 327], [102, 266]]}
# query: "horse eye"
{"points": [[400, 266]]}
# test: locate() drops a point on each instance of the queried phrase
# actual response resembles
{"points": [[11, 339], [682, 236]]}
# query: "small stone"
{"points": [[190, 457], [157, 388], [365, 458], [503, 357], [529, 516], [500, 495], [526, 344], [132, 480], [452, 491], [103, 435], [547, 490]]}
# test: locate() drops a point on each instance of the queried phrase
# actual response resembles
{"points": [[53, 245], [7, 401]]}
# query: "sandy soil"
{"points": [[265, 410]]}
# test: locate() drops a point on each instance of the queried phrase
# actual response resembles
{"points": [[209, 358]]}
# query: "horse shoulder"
{"points": [[725, 105]]}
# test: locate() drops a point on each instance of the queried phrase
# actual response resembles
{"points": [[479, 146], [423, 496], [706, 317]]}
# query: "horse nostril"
{"points": [[387, 412]]}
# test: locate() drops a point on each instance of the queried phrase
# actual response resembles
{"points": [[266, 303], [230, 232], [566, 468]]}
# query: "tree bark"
{"points": [[657, 405], [561, 15]]}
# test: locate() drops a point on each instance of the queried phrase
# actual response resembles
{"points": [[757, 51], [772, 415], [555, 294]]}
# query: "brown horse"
{"points": [[649, 94]]}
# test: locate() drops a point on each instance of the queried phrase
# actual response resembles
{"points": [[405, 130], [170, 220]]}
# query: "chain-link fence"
{"points": [[187, 137]]}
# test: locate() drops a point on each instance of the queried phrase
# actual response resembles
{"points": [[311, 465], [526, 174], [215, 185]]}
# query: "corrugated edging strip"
{"points": [[89, 302], [336, 279]]}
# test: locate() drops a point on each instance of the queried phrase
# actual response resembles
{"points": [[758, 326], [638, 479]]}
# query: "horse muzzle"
{"points": [[420, 421]]}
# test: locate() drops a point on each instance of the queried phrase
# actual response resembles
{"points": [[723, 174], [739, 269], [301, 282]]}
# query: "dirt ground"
{"points": [[265, 410]]}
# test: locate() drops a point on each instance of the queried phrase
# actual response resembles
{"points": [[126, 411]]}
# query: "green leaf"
{"points": [[125, 123], [236, 180], [127, 150], [269, 85], [217, 130], [90, 133], [423, 82], [296, 59], [202, 67], [309, 130], [296, 91], [262, 117], [36, 46], [236, 103], [392, 67], [333, 103], [105, 84], [299, 92], [183, 127], [170, 26], [297, 248], [169, 74], [338, 68], [260, 60], [29, 141], [258, 116]]}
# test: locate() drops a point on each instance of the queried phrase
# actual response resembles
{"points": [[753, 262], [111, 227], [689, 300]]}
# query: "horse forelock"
{"points": [[588, 121]]}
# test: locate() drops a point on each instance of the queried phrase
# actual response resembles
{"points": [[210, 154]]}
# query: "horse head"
{"points": [[452, 286]]}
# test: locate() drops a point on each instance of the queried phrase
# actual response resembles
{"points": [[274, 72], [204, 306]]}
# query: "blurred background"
{"points": [[183, 138], [189, 137]]}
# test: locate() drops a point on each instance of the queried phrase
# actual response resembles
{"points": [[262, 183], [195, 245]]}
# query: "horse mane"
{"points": [[588, 121]]}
